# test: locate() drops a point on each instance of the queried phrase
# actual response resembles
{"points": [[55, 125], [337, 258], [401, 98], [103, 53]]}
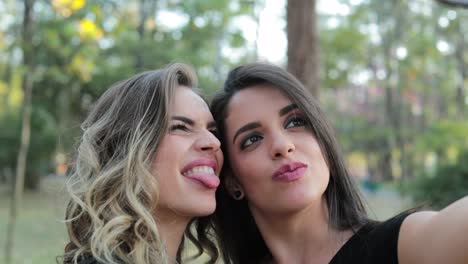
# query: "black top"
{"points": [[88, 260], [373, 243]]}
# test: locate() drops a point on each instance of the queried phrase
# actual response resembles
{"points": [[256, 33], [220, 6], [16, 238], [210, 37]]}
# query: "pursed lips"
{"points": [[290, 172]]}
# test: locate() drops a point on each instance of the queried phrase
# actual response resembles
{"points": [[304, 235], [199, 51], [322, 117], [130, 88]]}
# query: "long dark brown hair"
{"points": [[238, 236], [109, 217]]}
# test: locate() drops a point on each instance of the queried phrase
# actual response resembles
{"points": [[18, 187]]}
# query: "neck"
{"points": [[171, 228], [300, 237]]}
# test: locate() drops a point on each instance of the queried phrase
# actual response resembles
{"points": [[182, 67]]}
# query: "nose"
{"points": [[208, 142], [282, 146]]}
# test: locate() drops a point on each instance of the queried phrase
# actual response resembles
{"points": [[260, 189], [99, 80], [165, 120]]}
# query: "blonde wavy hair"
{"points": [[113, 193]]}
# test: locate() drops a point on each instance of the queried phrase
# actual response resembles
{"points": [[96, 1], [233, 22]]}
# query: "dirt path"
{"points": [[385, 203]]}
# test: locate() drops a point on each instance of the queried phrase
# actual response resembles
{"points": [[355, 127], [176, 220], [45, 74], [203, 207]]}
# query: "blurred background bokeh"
{"points": [[391, 75]]}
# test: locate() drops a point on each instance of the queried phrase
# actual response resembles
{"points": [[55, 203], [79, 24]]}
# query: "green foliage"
{"points": [[442, 172], [448, 184], [445, 139], [79, 53], [391, 76], [343, 53], [9, 140], [42, 143], [359, 134]]}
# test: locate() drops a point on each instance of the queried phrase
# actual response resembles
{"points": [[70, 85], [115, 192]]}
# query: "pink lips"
{"points": [[290, 172], [208, 180]]}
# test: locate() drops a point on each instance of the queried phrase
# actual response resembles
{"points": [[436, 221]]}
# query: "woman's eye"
{"points": [[296, 122], [179, 127], [250, 140]]}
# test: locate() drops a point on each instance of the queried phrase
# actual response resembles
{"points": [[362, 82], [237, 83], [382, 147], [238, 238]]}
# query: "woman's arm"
{"points": [[436, 237]]}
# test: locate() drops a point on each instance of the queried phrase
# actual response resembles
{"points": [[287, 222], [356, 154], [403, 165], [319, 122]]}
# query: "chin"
{"points": [[296, 202], [203, 207], [203, 212]]}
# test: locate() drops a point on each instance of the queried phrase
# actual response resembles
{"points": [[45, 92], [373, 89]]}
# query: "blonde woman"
{"points": [[146, 172]]}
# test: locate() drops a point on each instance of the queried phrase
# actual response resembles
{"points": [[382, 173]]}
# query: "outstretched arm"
{"points": [[436, 237]]}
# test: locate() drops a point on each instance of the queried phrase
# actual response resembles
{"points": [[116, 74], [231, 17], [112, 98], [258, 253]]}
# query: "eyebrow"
{"points": [[190, 122], [283, 111], [246, 128], [253, 125], [183, 119]]}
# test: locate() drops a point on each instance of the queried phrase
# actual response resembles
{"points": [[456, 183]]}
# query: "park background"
{"points": [[391, 75]]}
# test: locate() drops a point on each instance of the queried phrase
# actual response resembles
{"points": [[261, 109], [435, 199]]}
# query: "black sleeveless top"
{"points": [[373, 243]]}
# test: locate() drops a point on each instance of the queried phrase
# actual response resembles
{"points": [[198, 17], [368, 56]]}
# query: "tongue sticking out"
{"points": [[208, 180]]}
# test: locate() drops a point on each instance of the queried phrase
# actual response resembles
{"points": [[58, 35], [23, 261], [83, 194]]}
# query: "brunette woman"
{"points": [[287, 196]]}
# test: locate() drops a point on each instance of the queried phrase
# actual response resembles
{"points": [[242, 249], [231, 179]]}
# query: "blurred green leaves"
{"points": [[82, 47]]}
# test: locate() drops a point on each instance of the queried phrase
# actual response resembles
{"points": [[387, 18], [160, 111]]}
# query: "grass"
{"points": [[41, 236], [385, 203]]}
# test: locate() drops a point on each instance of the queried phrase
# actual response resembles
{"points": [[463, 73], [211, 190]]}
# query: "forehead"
{"points": [[188, 103], [255, 100], [254, 104]]}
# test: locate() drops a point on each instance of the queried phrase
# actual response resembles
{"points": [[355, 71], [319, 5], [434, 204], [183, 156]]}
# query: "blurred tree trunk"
{"points": [[218, 61], [303, 57], [391, 14], [385, 159], [145, 9], [257, 9], [28, 64], [454, 3], [400, 110], [462, 69]]}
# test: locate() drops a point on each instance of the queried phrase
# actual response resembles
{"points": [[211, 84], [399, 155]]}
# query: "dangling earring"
{"points": [[238, 194]]}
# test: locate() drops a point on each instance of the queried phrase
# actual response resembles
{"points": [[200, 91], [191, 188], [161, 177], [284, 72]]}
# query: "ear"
{"points": [[233, 186]]}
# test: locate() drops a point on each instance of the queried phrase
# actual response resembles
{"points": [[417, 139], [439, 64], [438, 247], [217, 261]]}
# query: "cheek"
{"points": [[174, 146], [168, 157], [220, 158], [320, 156], [248, 170]]}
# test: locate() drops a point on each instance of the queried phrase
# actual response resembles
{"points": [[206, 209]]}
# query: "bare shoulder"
{"points": [[414, 220], [435, 237], [411, 243]]}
